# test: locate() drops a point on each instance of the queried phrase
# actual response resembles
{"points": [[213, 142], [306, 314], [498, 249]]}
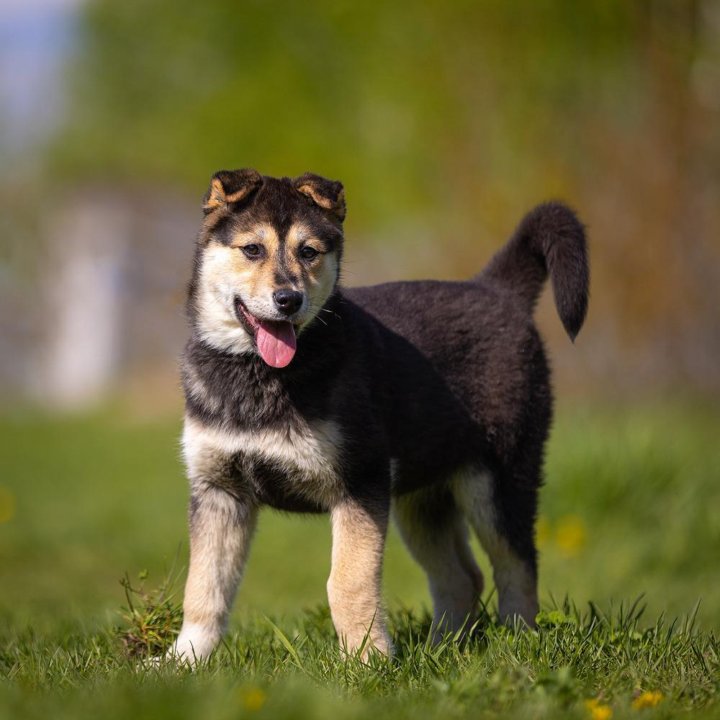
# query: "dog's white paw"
{"points": [[194, 644]]}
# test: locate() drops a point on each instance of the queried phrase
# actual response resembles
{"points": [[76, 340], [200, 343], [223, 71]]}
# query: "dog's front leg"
{"points": [[221, 527], [354, 585]]}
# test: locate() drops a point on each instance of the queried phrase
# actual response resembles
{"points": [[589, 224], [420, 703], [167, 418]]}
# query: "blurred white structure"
{"points": [[84, 276], [108, 303]]}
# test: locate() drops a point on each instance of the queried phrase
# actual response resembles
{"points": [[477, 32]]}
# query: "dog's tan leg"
{"points": [[355, 578], [221, 527], [435, 533], [515, 577]]}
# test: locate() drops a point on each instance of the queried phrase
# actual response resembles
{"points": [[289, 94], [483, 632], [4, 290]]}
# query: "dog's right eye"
{"points": [[252, 250]]}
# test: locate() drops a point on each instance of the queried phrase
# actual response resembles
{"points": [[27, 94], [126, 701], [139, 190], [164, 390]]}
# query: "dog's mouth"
{"points": [[275, 339]]}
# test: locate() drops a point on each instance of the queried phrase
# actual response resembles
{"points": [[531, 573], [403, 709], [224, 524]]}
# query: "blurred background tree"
{"points": [[445, 121]]}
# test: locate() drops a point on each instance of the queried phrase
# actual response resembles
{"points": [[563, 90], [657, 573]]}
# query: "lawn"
{"points": [[630, 542]]}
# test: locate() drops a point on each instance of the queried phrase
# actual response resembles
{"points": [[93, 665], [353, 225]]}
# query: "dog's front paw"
{"points": [[194, 644], [364, 644]]}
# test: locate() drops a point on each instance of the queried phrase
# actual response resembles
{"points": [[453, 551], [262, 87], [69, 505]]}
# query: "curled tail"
{"points": [[550, 240]]}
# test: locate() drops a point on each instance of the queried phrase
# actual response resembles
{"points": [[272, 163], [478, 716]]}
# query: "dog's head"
{"points": [[268, 259]]}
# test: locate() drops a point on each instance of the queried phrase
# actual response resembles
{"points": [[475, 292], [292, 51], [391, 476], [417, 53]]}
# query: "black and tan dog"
{"points": [[430, 398]]}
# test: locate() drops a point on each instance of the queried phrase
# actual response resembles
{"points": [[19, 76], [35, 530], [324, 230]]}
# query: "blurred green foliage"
{"points": [[446, 121], [412, 105]]}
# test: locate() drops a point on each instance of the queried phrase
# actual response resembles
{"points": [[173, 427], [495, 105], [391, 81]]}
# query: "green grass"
{"points": [[629, 510]]}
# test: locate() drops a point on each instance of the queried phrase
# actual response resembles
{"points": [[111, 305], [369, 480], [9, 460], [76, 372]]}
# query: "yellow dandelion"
{"points": [[7, 505], [647, 699], [252, 698], [598, 710], [570, 535]]}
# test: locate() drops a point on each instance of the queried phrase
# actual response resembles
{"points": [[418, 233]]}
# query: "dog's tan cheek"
{"points": [[322, 280], [330, 275], [254, 277]]}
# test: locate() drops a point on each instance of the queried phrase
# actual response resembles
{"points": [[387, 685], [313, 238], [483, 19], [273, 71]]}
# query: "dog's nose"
{"points": [[287, 301]]}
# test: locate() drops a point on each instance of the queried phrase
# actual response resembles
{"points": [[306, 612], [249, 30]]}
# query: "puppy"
{"points": [[430, 400]]}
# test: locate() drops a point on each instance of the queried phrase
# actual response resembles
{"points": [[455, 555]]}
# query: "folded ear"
{"points": [[327, 194], [230, 186]]}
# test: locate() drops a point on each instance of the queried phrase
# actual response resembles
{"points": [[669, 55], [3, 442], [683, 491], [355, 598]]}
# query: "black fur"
{"points": [[549, 240], [435, 375]]}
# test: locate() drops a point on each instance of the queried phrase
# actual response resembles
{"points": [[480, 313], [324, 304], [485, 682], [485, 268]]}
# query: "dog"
{"points": [[427, 400]]}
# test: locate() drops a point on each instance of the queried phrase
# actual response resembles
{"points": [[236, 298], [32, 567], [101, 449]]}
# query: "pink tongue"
{"points": [[276, 342]]}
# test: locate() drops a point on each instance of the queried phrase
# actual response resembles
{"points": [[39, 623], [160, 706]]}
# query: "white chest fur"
{"points": [[309, 454]]}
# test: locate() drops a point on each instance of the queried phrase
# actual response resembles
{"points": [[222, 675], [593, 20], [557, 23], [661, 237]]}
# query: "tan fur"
{"points": [[442, 550], [354, 584], [311, 452], [220, 534], [256, 278], [226, 273], [221, 279], [516, 586], [260, 233], [216, 196], [322, 273], [337, 205]]}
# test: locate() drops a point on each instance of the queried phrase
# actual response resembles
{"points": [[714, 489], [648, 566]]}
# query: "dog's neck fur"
{"points": [[240, 391]]}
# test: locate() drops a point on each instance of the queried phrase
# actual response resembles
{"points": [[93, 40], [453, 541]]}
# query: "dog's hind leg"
{"points": [[435, 533], [221, 527], [508, 541]]}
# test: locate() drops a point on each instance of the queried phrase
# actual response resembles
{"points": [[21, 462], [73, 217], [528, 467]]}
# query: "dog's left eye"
{"points": [[252, 250], [308, 253]]}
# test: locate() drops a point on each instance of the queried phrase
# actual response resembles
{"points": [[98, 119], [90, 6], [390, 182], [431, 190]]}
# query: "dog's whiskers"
{"points": [[330, 312]]}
